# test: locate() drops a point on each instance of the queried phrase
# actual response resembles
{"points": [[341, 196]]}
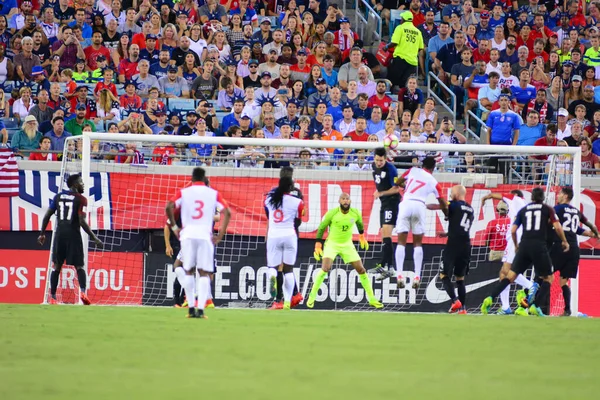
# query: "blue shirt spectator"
{"points": [[503, 124], [531, 131], [523, 95], [7, 6]]}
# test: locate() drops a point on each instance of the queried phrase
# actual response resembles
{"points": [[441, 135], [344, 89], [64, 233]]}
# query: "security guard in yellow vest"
{"points": [[408, 41]]}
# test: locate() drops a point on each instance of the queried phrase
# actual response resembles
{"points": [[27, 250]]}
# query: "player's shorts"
{"points": [[411, 217], [199, 254], [532, 253], [388, 214], [509, 252], [68, 249], [282, 249], [347, 251], [566, 263], [456, 259], [180, 256]]}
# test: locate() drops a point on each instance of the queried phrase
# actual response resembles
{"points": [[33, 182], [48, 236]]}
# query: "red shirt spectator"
{"points": [[548, 140], [43, 157], [128, 68], [479, 56], [358, 138], [495, 233], [418, 18], [130, 102], [383, 102], [111, 87], [161, 155]]}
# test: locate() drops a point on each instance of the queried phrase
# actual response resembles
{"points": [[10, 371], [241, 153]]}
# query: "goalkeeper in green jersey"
{"points": [[340, 221]]}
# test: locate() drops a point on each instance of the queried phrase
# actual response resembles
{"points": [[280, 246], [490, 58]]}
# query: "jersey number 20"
{"points": [[571, 223]]}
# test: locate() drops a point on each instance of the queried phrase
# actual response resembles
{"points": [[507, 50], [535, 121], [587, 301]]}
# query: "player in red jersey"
{"points": [[197, 204], [497, 231]]}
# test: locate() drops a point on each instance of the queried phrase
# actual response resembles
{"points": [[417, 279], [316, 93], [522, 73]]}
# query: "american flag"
{"points": [[9, 173]]}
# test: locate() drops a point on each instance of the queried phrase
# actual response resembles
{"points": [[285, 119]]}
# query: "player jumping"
{"points": [[197, 205], [341, 221], [535, 218], [418, 184], [457, 254], [515, 202], [568, 262], [70, 208], [282, 241], [385, 175]]}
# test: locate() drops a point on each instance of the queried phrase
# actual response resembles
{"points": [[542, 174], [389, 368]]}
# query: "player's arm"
{"points": [[223, 228], [167, 234], [558, 229], [83, 223], [364, 244], [170, 211], [393, 178], [51, 210], [443, 206], [495, 196], [513, 230], [593, 232], [318, 253], [390, 192]]}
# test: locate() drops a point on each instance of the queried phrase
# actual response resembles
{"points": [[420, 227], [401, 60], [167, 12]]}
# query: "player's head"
{"points": [[517, 193], [537, 195], [502, 208], [566, 195], [458, 192], [75, 183], [345, 201], [206, 181], [286, 185], [198, 174], [380, 157], [429, 164], [286, 171]]}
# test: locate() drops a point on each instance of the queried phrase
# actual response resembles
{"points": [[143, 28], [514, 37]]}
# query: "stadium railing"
{"points": [[369, 12], [474, 131], [442, 86]]}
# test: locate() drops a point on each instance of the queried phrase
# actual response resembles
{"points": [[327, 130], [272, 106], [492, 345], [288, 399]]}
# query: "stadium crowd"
{"points": [[297, 69]]}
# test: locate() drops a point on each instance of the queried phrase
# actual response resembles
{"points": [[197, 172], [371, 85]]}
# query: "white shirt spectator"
{"points": [[370, 88], [342, 127], [560, 135]]}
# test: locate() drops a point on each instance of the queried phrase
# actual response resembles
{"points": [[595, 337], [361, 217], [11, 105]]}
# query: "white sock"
{"points": [[209, 297], [180, 274], [203, 290], [271, 272], [190, 289], [288, 286], [418, 257], [522, 281], [400, 254], [504, 298]]}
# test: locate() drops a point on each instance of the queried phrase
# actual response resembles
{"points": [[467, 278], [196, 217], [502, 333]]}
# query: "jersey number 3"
{"points": [[198, 209]]}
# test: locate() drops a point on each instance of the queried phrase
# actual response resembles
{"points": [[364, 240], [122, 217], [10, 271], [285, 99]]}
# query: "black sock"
{"points": [[177, 292], [503, 284], [279, 286], [567, 296], [462, 292], [295, 292], [54, 282], [82, 278], [542, 297], [449, 288], [388, 253]]}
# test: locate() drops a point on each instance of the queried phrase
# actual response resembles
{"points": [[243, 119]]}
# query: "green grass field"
{"points": [[88, 353]]}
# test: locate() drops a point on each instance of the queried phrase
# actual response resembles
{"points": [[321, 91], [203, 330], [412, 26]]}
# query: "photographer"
{"points": [[68, 48]]}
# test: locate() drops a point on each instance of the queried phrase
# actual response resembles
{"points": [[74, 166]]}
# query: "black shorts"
{"points": [[67, 249], [532, 253], [566, 263], [388, 214], [456, 259]]}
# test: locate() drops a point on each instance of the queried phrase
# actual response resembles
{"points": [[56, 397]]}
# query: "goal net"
{"points": [[136, 176]]}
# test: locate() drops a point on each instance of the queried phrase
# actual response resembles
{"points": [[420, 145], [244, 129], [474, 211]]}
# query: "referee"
{"points": [[409, 41]]}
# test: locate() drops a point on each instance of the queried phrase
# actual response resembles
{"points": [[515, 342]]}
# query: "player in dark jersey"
{"points": [[296, 296], [568, 263], [385, 175], [70, 209], [535, 218], [172, 248], [457, 253]]}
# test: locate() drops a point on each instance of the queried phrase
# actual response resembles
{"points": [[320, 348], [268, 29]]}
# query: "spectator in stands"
{"points": [[545, 110], [173, 86], [41, 111], [580, 113], [44, 154], [563, 129], [134, 123], [68, 48], [130, 155], [576, 134], [349, 71], [207, 112], [523, 93], [532, 130], [144, 80], [86, 29], [448, 135], [380, 98], [75, 125], [523, 56], [587, 100], [205, 86], [365, 85], [21, 106], [574, 91], [161, 122], [488, 94], [26, 60], [6, 66], [503, 124], [589, 160], [58, 135], [359, 134], [27, 138], [375, 123], [190, 118], [159, 68], [40, 46], [460, 72], [128, 67]]}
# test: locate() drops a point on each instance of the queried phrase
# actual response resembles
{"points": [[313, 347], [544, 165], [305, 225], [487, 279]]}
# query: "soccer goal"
{"points": [[132, 268]]}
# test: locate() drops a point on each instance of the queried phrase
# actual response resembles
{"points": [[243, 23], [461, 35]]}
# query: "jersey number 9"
{"points": [[278, 216]]}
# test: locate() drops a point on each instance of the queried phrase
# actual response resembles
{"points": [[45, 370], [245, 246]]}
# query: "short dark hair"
{"points": [[494, 74], [57, 118], [71, 180], [537, 195], [286, 171], [380, 151], [552, 128], [429, 163], [198, 174], [568, 191], [517, 192], [44, 138]]}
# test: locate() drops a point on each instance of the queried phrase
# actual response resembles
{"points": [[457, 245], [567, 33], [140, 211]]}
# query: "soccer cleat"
{"points": [[532, 292], [310, 303], [191, 313], [535, 310], [277, 305], [52, 300], [184, 304], [416, 282], [177, 306], [287, 305], [296, 299], [462, 311], [84, 299], [209, 304], [522, 299], [273, 286], [375, 303], [384, 273], [456, 306], [200, 314], [486, 305], [522, 312], [566, 313], [401, 284], [507, 311]]}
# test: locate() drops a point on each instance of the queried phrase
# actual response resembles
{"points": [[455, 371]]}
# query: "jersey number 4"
{"points": [[199, 206], [65, 211], [413, 185], [465, 222], [571, 223]]}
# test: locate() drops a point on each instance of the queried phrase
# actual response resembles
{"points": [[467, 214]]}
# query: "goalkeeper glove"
{"points": [[318, 251], [363, 242]]}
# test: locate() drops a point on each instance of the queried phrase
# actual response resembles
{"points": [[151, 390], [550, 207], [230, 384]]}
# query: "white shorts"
{"points": [[180, 256], [198, 253], [509, 252], [411, 217], [282, 249]]}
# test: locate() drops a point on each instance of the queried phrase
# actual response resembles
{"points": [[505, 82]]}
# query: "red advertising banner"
{"points": [[589, 287], [23, 275]]}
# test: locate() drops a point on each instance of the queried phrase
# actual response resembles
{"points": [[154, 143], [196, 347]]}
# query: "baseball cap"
{"points": [[253, 62], [212, 47], [301, 53], [272, 51], [577, 78], [151, 36], [484, 15], [502, 206], [266, 20], [568, 64], [80, 107], [160, 112], [344, 20], [29, 118], [80, 61], [588, 87], [406, 16], [192, 113], [37, 70], [265, 73], [504, 95], [172, 68], [100, 58], [245, 116], [562, 112], [320, 81]]}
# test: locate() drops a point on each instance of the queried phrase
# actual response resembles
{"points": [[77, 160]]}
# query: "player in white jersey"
{"points": [[197, 204], [418, 184], [515, 202], [282, 241]]}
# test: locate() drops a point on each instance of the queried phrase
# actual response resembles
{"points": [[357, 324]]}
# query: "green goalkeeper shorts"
{"points": [[345, 250]]}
